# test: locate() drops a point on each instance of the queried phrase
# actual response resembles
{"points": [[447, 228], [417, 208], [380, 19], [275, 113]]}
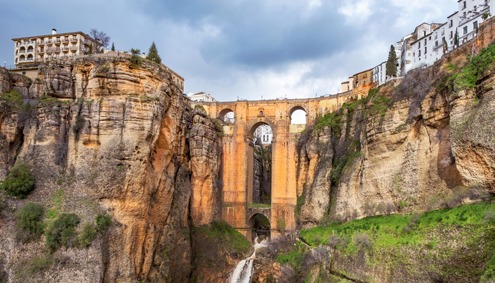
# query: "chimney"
{"points": [[54, 31]]}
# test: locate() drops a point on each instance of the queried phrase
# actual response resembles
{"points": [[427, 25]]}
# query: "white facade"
{"points": [[264, 134], [429, 42], [380, 74], [471, 15], [200, 97]]}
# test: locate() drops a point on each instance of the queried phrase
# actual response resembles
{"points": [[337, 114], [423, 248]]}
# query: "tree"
{"points": [[113, 47], [135, 58], [100, 36], [391, 65], [153, 54]]}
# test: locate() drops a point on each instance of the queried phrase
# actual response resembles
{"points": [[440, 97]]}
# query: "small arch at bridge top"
{"points": [[298, 115], [256, 125], [227, 115], [259, 227]]}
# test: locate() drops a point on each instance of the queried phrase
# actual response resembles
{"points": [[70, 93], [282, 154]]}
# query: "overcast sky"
{"points": [[248, 49]]}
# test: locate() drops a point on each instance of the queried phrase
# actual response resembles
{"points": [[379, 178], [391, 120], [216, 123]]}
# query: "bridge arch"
{"points": [[259, 225], [298, 115], [227, 115]]}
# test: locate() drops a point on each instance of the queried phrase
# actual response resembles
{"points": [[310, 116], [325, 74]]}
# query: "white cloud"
{"points": [[357, 11]]}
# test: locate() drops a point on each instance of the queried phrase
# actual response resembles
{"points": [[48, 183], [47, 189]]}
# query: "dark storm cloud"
{"points": [[260, 34]]}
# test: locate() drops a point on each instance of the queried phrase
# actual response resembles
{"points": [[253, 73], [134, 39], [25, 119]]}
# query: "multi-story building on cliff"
{"points": [[42, 48], [200, 97], [429, 42]]}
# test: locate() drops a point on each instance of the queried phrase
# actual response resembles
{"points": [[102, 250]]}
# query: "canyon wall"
{"points": [[103, 135]]}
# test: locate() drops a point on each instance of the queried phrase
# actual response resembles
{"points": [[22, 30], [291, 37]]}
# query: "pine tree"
{"points": [[113, 47], [456, 39], [153, 54], [391, 65]]}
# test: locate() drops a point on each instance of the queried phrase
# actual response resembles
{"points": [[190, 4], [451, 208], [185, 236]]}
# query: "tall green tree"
{"points": [[113, 46], [391, 63], [153, 54]]}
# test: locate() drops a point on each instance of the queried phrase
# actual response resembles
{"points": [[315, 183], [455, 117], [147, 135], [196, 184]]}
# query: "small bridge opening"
{"points": [[260, 227], [260, 164], [227, 116], [298, 116]]}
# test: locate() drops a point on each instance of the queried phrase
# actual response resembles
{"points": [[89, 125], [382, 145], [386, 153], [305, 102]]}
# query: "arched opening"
{"points": [[30, 49], [30, 57], [22, 58], [260, 227], [298, 116], [227, 116], [260, 165]]}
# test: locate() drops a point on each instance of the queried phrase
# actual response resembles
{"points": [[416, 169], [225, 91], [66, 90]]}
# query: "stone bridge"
{"points": [[237, 159]]}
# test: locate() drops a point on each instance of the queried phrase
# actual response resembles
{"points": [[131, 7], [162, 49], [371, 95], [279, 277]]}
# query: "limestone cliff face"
{"points": [[102, 135], [409, 147]]}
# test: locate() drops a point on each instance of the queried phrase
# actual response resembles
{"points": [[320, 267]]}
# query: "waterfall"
{"points": [[244, 269]]}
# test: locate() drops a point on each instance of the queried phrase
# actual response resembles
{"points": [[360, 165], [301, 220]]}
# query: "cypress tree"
{"points": [[113, 47], [391, 63], [153, 54]]}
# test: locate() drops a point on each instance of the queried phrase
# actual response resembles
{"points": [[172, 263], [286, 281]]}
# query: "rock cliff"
{"points": [[102, 135]]}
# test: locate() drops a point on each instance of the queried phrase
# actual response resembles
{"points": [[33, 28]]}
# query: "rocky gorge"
{"points": [[111, 141]]}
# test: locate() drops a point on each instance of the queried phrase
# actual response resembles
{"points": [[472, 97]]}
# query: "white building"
{"points": [[200, 97], [429, 42], [264, 134], [380, 74]]}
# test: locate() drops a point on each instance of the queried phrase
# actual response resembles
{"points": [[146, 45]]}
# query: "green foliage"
{"points": [[57, 201], [379, 104], [259, 205], [29, 222], [87, 235], [136, 60], [12, 98], [153, 54], [489, 274], [294, 257], [391, 65], [19, 182], [218, 127], [103, 222], [300, 203], [220, 231], [392, 231], [62, 232], [113, 47], [478, 66], [332, 120]]}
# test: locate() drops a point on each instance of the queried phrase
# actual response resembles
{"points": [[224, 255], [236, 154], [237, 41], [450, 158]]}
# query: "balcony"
{"points": [[73, 48], [57, 41], [65, 41], [65, 49], [57, 50], [73, 39]]}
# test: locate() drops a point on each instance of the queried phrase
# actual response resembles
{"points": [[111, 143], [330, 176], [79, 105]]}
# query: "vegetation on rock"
{"points": [[153, 54], [19, 182], [29, 222], [62, 232]]}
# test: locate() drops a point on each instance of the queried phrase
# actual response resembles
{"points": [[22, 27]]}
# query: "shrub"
{"points": [[62, 232], [87, 235], [29, 222], [12, 98], [79, 124], [103, 222], [19, 182]]}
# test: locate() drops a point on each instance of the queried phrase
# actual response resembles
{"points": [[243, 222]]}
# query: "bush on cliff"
{"points": [[29, 222], [62, 232], [19, 182]]}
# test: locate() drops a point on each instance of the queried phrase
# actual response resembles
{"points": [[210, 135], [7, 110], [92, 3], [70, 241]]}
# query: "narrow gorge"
{"points": [[133, 171]]}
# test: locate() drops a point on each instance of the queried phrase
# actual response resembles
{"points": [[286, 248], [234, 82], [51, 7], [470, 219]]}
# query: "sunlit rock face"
{"points": [[110, 137]]}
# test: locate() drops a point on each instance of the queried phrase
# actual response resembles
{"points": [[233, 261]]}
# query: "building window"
{"points": [[419, 44], [451, 34], [451, 23], [465, 30], [464, 5], [475, 25], [419, 53], [426, 50]]}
